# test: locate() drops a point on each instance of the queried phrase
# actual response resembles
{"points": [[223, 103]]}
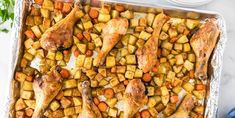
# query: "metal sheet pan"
{"points": [[215, 65]]}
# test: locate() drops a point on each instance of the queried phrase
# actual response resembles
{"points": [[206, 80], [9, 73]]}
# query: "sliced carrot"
{"points": [[23, 63], [145, 114], [28, 112], [93, 13], [76, 53], [109, 93], [147, 77], [79, 36], [64, 73], [191, 74], [58, 5], [102, 106], [29, 34], [174, 39], [96, 101], [200, 116], [119, 7], [65, 52], [59, 95], [67, 7], [155, 69], [199, 87], [174, 99], [89, 53], [86, 34], [137, 115], [125, 82], [38, 2], [113, 69]]}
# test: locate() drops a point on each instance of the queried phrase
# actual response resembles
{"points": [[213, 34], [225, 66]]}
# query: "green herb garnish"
{"points": [[6, 12]]}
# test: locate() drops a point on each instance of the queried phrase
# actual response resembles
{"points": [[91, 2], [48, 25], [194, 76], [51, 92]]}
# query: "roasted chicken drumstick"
{"points": [[185, 107], [112, 32], [147, 55], [134, 98], [45, 89], [203, 43], [60, 35], [89, 109]]}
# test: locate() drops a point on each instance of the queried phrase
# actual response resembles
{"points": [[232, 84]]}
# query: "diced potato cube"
{"points": [[82, 48], [113, 112], [134, 22], [36, 31], [127, 14], [172, 33], [26, 94], [182, 39], [65, 102], [110, 61], [71, 83], [69, 111], [104, 17], [131, 67], [129, 74], [152, 102], [150, 91], [170, 108], [68, 92], [131, 49], [171, 75], [163, 36], [119, 88], [111, 102], [99, 77], [28, 86], [78, 109], [102, 71], [200, 94], [188, 87], [29, 21], [58, 113], [28, 43], [132, 40], [143, 22], [40, 53], [103, 82], [91, 74], [177, 89], [37, 20], [94, 83], [121, 77], [99, 26], [48, 4], [30, 103], [191, 24], [199, 109], [130, 59], [178, 46], [54, 105], [179, 59], [58, 56], [187, 47], [19, 105], [167, 45], [191, 57], [19, 76], [144, 35], [51, 55], [88, 62], [122, 61], [121, 69], [77, 101], [80, 60], [114, 81], [188, 65], [138, 73], [165, 95], [87, 25], [150, 18], [19, 114], [78, 74], [165, 27], [124, 52], [45, 13], [153, 112], [98, 42], [114, 14]]}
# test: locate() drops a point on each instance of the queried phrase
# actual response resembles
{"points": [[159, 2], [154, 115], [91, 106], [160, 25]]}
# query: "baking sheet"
{"points": [[215, 65]]}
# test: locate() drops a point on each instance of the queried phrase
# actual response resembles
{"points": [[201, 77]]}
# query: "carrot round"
{"points": [[174, 99], [65, 52], [147, 77], [145, 114], [125, 82], [58, 5], [76, 53], [64, 73], [93, 13], [29, 34], [109, 93], [89, 53], [155, 69], [119, 7], [38, 1], [67, 8], [102, 106], [199, 87], [79, 36]]}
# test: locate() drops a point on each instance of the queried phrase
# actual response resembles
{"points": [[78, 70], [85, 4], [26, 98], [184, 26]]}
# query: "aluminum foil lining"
{"points": [[215, 65]]}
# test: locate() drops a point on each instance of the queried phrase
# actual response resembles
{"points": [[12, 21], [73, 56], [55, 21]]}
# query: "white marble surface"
{"points": [[227, 91]]}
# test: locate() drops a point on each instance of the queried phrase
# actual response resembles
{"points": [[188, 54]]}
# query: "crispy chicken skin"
{"points": [[60, 35], [134, 98], [203, 43], [89, 109], [185, 107], [45, 89], [112, 32], [147, 55]]}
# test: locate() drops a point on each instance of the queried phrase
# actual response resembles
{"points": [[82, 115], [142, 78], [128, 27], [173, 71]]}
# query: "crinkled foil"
{"points": [[215, 64]]}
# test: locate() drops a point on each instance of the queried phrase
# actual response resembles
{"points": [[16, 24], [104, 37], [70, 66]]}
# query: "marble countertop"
{"points": [[227, 85]]}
